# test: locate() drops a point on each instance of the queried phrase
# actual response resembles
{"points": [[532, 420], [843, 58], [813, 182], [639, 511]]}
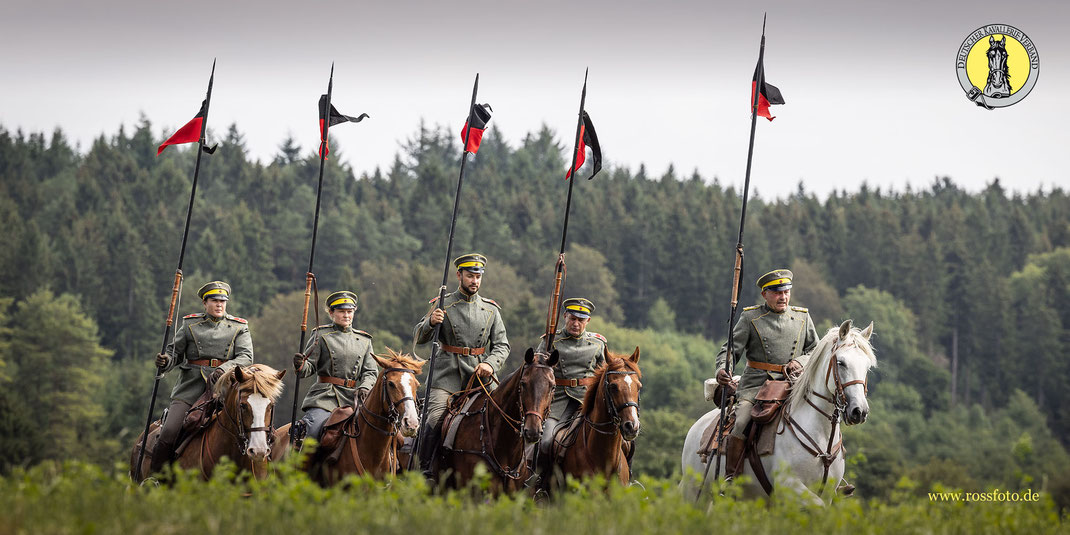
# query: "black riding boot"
{"points": [[161, 455], [428, 449]]}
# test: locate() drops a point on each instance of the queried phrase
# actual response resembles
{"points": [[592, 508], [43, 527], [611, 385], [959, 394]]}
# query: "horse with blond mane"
{"points": [[240, 427], [808, 440]]}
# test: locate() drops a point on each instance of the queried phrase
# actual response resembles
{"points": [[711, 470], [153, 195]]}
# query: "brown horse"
{"points": [[609, 416], [240, 430], [370, 435], [499, 430]]}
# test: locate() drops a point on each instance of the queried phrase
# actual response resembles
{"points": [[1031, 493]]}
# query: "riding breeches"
{"points": [[561, 410], [315, 418], [172, 422], [743, 408]]}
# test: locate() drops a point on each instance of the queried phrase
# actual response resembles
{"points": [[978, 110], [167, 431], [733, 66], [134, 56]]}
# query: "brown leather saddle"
{"points": [[198, 418], [766, 415], [340, 425]]}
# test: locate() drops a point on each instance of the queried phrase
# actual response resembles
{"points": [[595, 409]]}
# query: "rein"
{"points": [[393, 418], [613, 425]]}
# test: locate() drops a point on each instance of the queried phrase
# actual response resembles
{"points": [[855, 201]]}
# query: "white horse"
{"points": [[834, 378]]}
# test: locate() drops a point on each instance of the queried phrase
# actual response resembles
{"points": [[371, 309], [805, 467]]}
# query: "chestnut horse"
{"points": [[372, 434], [499, 430], [240, 430], [609, 416]]}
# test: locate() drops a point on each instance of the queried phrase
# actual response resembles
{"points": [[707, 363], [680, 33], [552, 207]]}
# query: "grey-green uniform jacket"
{"points": [[345, 353], [203, 337], [762, 335], [471, 321], [578, 357]]}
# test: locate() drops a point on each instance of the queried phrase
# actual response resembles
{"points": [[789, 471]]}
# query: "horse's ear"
{"points": [[383, 363], [845, 328], [239, 375], [554, 357], [868, 331], [418, 365], [635, 356], [280, 374], [529, 356]]}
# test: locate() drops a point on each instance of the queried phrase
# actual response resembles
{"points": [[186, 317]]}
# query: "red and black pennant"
{"points": [[588, 138], [335, 118], [191, 133], [768, 95], [480, 116]]}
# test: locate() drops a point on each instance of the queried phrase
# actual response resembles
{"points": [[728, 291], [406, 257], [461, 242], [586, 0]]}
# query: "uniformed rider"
{"points": [[472, 339], [580, 352], [207, 345], [776, 340], [341, 356]]}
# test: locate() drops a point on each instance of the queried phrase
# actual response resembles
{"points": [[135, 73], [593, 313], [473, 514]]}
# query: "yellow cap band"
{"points": [[775, 282], [469, 264], [578, 308], [215, 291], [342, 301]]}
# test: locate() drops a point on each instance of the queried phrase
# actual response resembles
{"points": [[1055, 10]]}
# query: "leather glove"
{"points": [[722, 377], [162, 360], [299, 362], [362, 394], [793, 369], [484, 370]]}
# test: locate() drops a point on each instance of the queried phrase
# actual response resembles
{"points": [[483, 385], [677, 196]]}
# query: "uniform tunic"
{"points": [[204, 337], [762, 335], [471, 321], [578, 357], [341, 352]]}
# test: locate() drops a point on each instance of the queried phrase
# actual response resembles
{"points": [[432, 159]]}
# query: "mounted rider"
{"points": [[777, 340], [580, 353], [472, 339], [342, 358], [209, 344]]}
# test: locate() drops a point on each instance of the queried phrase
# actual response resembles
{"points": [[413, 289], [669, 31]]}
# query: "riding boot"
{"points": [[161, 455], [733, 465], [428, 449]]}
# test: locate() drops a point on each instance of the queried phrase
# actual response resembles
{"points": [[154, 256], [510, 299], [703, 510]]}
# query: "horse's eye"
{"points": [[613, 387], [391, 385]]}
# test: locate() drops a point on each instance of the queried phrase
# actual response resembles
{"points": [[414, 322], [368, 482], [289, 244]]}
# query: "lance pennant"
{"points": [[190, 133], [335, 118], [472, 134], [588, 138]]}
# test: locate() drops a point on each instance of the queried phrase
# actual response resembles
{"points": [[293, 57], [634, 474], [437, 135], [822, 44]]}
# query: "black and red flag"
{"points": [[191, 133], [479, 117], [768, 95], [588, 138], [336, 118]]}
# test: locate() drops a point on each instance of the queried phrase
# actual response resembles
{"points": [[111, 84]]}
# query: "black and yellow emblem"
{"points": [[997, 66]]}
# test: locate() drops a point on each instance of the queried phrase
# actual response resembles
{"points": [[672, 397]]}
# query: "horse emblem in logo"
{"points": [[1000, 58]]}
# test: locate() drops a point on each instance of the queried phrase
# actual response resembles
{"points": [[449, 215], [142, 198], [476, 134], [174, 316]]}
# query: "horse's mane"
{"points": [[819, 361], [404, 359], [260, 378], [613, 362]]}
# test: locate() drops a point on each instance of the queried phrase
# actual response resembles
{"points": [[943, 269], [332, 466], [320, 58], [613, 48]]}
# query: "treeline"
{"points": [[981, 278]]}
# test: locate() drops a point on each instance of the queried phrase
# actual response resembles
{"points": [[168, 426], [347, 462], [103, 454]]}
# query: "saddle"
{"points": [[564, 437], [766, 416], [334, 433], [457, 410], [198, 418]]}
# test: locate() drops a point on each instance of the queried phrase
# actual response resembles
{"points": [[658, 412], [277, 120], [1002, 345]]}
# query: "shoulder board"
{"points": [[799, 309], [755, 307], [194, 315], [598, 336], [324, 326], [365, 333], [237, 319], [491, 301]]}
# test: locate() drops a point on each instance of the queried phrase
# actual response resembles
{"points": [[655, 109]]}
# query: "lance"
{"points": [[325, 113], [435, 345], [177, 285], [737, 272], [559, 268]]}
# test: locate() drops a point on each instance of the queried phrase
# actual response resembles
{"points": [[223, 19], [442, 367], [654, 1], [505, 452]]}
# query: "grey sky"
{"points": [[870, 87]]}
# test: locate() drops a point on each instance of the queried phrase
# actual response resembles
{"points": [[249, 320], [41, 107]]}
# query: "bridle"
{"points": [[839, 398], [391, 420], [614, 411], [239, 422]]}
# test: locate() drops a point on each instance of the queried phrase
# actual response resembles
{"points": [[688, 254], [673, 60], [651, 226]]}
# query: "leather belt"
{"points": [[779, 368], [207, 362], [347, 383], [586, 381], [474, 351]]}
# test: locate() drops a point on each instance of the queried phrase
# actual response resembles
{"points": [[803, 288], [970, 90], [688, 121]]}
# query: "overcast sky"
{"points": [[871, 88]]}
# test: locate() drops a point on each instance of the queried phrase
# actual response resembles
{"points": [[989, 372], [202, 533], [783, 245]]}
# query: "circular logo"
{"points": [[997, 65]]}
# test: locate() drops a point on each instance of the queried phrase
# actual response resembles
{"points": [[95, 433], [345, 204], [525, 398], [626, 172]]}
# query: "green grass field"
{"points": [[83, 498]]}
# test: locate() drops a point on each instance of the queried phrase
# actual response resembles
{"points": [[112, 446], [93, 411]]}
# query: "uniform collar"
{"points": [[215, 319], [461, 295], [564, 334], [338, 327], [770, 309]]}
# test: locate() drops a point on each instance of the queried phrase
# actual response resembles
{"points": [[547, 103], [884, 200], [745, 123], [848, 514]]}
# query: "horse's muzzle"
{"points": [[856, 415], [629, 430]]}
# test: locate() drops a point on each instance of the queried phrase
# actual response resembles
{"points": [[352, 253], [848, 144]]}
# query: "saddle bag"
{"points": [[769, 401], [201, 414], [333, 429]]}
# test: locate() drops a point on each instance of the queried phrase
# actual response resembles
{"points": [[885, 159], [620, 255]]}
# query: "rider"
{"points": [[777, 340], [580, 352], [472, 339], [342, 356], [208, 344]]}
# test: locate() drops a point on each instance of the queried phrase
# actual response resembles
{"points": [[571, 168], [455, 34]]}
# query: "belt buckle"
{"points": [[467, 351], [573, 382]]}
